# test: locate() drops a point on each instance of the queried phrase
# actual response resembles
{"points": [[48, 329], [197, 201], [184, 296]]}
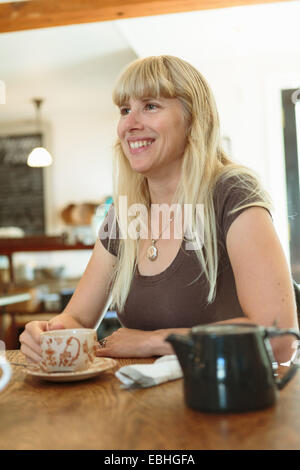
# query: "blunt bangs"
{"points": [[144, 78]]}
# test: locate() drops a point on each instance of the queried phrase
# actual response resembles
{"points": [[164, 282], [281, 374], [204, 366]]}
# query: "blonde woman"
{"points": [[229, 268]]}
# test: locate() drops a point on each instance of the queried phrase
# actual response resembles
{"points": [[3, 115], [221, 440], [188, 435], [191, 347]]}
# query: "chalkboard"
{"points": [[21, 187]]}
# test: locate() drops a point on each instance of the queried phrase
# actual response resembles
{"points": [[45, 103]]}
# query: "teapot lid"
{"points": [[225, 329]]}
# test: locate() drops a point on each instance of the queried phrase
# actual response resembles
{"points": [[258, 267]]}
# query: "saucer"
{"points": [[99, 365]]}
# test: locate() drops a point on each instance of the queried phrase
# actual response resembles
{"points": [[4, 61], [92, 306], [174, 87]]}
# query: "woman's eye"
{"points": [[124, 111], [151, 106]]}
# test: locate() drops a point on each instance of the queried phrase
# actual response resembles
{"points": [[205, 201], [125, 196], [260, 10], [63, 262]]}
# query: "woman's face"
{"points": [[153, 134]]}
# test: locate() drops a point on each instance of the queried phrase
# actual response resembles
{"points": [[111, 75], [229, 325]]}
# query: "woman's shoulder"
{"points": [[235, 191], [240, 184], [238, 180]]}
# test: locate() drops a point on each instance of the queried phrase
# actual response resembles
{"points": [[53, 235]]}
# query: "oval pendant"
{"points": [[152, 253]]}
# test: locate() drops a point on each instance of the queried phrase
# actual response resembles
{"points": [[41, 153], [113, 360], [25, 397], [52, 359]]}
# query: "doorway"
{"points": [[291, 132]]}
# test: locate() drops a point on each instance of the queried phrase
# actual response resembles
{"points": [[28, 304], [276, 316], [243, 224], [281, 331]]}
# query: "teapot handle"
{"points": [[271, 333]]}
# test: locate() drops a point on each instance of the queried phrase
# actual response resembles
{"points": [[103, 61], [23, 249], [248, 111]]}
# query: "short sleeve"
{"points": [[232, 194], [109, 233]]}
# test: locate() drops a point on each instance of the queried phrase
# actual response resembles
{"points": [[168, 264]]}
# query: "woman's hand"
{"points": [[31, 337], [126, 342]]}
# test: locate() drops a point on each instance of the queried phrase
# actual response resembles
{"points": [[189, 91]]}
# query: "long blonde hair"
{"points": [[203, 163]]}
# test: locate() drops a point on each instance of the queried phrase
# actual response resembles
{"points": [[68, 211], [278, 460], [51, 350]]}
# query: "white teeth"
{"points": [[139, 143]]}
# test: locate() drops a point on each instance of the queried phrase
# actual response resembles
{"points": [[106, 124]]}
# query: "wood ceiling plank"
{"points": [[33, 14]]}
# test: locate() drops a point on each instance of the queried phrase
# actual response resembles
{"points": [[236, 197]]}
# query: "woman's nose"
{"points": [[133, 120]]}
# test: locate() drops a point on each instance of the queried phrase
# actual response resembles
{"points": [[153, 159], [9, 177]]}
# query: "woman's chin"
{"points": [[142, 169]]}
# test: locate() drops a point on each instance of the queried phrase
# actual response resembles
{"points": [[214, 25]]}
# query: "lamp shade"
{"points": [[39, 157]]}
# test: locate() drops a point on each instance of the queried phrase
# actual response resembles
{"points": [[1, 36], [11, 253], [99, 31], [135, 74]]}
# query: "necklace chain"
{"points": [[163, 230], [152, 251]]}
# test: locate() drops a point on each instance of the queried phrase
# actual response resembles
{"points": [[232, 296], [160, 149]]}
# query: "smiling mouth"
{"points": [[140, 144]]}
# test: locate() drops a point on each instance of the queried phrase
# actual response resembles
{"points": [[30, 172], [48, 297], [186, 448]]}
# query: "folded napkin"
{"points": [[146, 375]]}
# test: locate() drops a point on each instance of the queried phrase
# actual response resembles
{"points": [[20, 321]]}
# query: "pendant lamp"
{"points": [[39, 156]]}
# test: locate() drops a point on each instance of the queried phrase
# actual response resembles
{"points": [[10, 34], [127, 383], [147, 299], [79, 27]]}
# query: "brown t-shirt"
{"points": [[171, 299]]}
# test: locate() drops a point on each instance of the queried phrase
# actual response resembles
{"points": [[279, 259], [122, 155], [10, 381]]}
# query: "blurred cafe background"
{"points": [[55, 96]]}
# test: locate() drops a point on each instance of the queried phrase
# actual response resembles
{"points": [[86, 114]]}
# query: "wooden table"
{"points": [[98, 414]]}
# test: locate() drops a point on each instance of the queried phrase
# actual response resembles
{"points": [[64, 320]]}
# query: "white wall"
{"points": [[82, 170]]}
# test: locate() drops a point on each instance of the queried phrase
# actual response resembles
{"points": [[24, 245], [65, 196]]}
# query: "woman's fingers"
{"points": [[55, 325], [27, 339], [30, 339], [35, 328], [31, 355]]}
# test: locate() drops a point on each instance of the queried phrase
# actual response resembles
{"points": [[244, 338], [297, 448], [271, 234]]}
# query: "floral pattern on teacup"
{"points": [[67, 354], [66, 358]]}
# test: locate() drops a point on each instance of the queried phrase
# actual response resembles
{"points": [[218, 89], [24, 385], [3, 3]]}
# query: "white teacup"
{"points": [[6, 372], [69, 350]]}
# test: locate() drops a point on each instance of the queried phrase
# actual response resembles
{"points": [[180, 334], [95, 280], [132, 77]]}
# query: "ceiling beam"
{"points": [[33, 14]]}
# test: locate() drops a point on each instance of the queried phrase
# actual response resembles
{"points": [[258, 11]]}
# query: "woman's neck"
{"points": [[162, 190]]}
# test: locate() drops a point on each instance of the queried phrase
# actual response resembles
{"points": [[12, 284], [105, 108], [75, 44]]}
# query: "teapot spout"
{"points": [[182, 345]]}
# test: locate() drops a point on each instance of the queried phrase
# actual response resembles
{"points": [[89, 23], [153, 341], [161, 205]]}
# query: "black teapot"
{"points": [[228, 367]]}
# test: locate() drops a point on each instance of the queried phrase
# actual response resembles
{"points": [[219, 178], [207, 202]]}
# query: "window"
{"points": [[291, 131]]}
